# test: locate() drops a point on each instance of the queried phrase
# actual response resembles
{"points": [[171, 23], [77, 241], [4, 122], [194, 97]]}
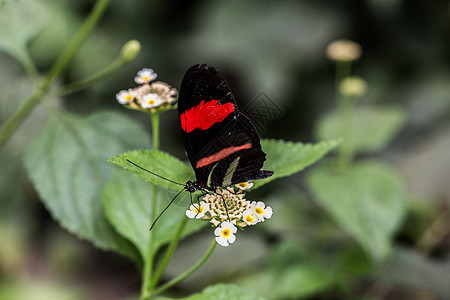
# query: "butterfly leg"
{"points": [[226, 207], [198, 201]]}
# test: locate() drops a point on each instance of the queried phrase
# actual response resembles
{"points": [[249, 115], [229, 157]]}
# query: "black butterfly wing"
{"points": [[222, 144]]}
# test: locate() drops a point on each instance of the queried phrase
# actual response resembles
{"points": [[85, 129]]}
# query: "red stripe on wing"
{"points": [[205, 115], [220, 155]]}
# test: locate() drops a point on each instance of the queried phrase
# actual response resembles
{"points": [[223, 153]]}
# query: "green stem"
{"points": [[345, 150], [169, 252], [147, 281], [188, 272], [343, 69], [91, 80], [155, 126], [146, 290], [345, 112], [43, 87], [27, 63]]}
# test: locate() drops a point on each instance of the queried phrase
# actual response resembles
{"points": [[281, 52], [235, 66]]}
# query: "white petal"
{"points": [[260, 204], [267, 212], [231, 239], [221, 241], [190, 214], [228, 225], [218, 231]]}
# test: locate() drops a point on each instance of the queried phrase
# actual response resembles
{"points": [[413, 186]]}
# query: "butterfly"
{"points": [[221, 143]]}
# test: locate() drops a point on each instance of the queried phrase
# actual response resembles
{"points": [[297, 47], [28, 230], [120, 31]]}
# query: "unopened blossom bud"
{"points": [[343, 50], [353, 87], [130, 50]]}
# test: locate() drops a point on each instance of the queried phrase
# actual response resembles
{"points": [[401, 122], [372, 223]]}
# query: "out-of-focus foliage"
{"points": [[354, 235]]}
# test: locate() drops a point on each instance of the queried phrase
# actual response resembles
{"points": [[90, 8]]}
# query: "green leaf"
{"points": [[225, 292], [366, 201], [19, 22], [373, 127], [158, 162], [287, 158], [127, 200], [295, 281], [67, 164]]}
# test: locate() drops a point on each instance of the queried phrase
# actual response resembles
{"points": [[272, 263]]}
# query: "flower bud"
{"points": [[343, 50], [130, 50], [353, 87]]}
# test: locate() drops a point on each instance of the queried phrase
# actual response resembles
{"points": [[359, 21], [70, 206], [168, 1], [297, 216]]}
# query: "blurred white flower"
{"points": [[125, 97], [151, 100], [145, 75]]}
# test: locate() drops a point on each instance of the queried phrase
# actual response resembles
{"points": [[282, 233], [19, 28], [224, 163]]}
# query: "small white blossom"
{"points": [[244, 185], [145, 76], [197, 210], [125, 97], [225, 234], [151, 100], [250, 217], [261, 210]]}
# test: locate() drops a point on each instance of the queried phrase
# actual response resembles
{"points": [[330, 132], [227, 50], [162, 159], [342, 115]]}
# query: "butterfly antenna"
{"points": [[168, 205], [154, 173]]}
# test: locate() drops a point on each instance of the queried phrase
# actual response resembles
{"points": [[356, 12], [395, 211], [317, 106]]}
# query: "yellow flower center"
{"points": [[128, 97], [226, 232], [249, 219], [243, 184], [151, 101], [145, 78], [259, 210], [199, 209]]}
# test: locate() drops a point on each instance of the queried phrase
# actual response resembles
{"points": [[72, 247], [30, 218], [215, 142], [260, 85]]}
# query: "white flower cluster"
{"points": [[150, 96], [227, 208]]}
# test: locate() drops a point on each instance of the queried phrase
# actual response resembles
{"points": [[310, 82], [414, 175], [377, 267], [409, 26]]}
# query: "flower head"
{"points": [[150, 96], [145, 75], [197, 210], [151, 100], [261, 211], [225, 234], [125, 97], [227, 205], [244, 185], [343, 50]]}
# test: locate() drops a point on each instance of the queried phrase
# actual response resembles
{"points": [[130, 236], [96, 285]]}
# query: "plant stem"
{"points": [[91, 80], [169, 252], [343, 69], [345, 150], [27, 63], [44, 86], [155, 126], [147, 281], [188, 272], [146, 290], [345, 114]]}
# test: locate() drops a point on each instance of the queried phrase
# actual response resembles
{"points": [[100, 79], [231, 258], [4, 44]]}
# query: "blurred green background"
{"points": [[271, 47]]}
